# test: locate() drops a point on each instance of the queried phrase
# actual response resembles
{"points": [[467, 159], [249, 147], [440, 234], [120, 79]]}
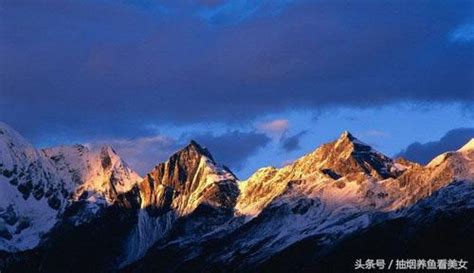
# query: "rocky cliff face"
{"points": [[188, 179], [188, 184]]}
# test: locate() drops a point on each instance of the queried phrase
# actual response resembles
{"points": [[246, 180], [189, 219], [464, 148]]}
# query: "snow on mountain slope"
{"points": [[461, 161], [458, 195], [346, 157], [95, 174], [189, 180], [468, 147], [418, 182], [36, 185], [338, 189], [31, 194]]}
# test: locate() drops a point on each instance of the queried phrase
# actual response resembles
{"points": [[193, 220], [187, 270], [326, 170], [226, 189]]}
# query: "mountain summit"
{"points": [[190, 177], [349, 155]]}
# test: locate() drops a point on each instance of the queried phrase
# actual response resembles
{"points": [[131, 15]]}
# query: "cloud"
{"points": [[143, 153], [109, 67], [233, 148], [233, 12], [275, 128], [463, 34], [292, 143], [424, 153]]}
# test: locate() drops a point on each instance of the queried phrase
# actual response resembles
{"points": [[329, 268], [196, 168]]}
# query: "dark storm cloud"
{"points": [[108, 67], [424, 153], [233, 148], [292, 143]]}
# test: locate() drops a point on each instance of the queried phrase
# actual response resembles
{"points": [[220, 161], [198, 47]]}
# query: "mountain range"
{"points": [[82, 209]]}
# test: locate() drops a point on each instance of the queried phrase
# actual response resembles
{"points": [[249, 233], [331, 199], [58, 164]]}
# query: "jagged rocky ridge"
{"points": [[190, 214]]}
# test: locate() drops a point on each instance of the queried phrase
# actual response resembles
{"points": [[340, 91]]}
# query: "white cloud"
{"points": [[275, 128], [463, 34]]}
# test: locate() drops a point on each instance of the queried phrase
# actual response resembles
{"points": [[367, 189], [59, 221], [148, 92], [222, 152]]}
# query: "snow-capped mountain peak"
{"points": [[31, 193], [95, 173], [181, 182], [189, 180], [349, 155], [38, 185], [346, 157]]}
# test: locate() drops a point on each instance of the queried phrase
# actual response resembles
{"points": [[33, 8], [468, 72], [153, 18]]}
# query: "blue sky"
{"points": [[258, 82]]}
